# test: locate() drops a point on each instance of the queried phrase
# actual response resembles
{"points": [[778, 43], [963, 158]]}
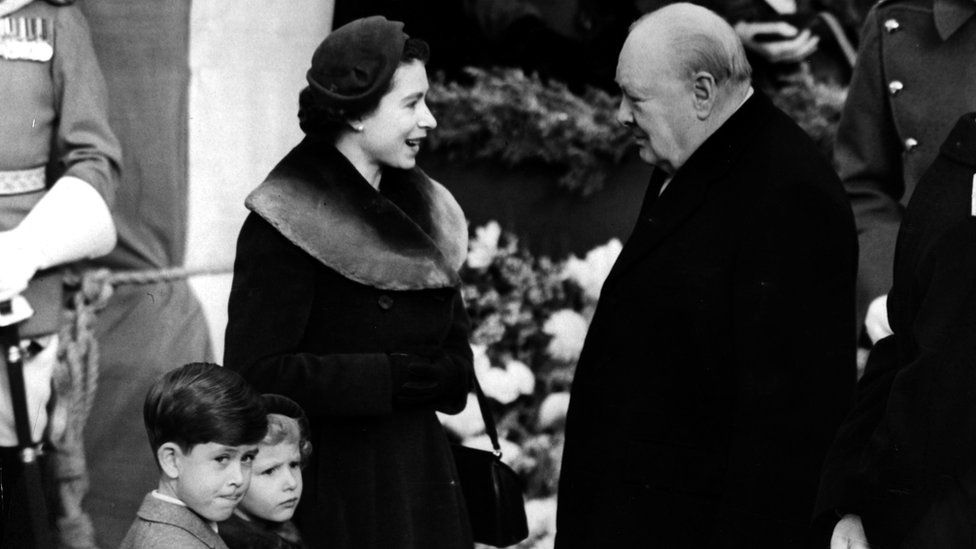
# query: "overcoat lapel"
{"points": [[687, 191], [319, 202]]}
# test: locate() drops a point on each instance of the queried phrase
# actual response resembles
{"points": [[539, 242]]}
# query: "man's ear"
{"points": [[169, 455], [705, 91]]}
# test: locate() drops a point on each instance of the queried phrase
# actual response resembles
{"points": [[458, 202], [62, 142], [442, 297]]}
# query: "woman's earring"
{"points": [[358, 127]]}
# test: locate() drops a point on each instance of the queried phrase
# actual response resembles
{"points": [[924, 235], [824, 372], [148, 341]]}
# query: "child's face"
{"points": [[276, 484], [213, 478]]}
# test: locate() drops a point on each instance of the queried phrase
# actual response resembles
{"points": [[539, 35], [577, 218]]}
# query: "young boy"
{"points": [[204, 423], [263, 519]]}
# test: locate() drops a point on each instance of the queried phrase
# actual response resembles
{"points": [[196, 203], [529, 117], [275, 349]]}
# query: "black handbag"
{"points": [[492, 490]]}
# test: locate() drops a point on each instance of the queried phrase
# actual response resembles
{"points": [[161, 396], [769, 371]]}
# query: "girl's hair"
{"points": [[284, 429], [327, 121]]}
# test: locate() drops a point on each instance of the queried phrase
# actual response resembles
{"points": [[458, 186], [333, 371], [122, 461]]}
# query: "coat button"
{"points": [[911, 144], [891, 25], [385, 302], [895, 86]]}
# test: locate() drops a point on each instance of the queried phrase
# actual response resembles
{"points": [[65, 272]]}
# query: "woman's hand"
{"points": [[777, 42], [849, 534], [421, 379]]}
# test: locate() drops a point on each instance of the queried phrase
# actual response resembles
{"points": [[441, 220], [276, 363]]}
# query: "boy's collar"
{"points": [[176, 501]]}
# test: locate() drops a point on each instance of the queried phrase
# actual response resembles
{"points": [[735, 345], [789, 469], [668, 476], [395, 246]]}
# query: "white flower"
{"points": [[484, 246], [510, 450], [507, 383], [466, 424], [481, 361], [553, 409], [591, 273], [568, 330], [541, 516]]}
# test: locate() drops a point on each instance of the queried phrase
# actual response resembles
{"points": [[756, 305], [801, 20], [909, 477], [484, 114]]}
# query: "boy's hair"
{"points": [[200, 403], [282, 428]]}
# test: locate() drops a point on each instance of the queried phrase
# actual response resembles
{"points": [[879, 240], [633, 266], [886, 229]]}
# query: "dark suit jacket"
{"points": [[721, 356], [905, 458]]}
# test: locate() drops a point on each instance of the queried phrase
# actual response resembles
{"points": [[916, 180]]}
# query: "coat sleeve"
{"points": [[793, 331], [84, 145], [269, 307], [867, 154], [457, 347]]}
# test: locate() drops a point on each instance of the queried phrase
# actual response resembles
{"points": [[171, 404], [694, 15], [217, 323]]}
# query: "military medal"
{"points": [[26, 39]]}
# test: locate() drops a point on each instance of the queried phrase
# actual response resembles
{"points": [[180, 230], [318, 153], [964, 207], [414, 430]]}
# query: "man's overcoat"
{"points": [[331, 277], [720, 359]]}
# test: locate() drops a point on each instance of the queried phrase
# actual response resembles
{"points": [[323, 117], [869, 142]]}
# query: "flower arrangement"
{"points": [[529, 319], [504, 116]]}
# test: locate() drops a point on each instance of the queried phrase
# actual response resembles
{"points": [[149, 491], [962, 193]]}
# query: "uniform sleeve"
{"points": [[270, 304], [868, 158], [84, 145], [794, 340]]}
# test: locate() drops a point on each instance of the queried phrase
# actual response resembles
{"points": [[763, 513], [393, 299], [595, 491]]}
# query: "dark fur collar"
{"points": [[318, 201]]}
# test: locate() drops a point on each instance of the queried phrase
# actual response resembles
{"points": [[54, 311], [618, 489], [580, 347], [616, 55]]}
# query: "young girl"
{"points": [[263, 518]]}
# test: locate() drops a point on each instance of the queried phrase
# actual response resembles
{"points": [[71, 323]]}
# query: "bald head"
{"points": [[693, 39], [682, 73]]}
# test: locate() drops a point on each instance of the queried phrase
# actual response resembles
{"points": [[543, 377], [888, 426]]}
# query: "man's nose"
{"points": [[624, 115]]}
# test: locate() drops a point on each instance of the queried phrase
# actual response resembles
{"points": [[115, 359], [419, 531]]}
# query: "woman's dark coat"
{"points": [[905, 458], [330, 277]]}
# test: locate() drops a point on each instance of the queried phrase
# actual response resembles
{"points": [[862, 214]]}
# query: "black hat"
{"points": [[282, 405], [353, 66]]}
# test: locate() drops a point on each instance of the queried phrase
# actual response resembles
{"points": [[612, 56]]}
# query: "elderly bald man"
{"points": [[720, 360]]}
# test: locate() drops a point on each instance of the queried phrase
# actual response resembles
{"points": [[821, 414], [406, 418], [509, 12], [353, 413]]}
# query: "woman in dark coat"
{"points": [[902, 471], [345, 299]]}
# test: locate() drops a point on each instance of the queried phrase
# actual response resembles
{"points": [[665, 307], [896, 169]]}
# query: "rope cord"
{"points": [[75, 384]]}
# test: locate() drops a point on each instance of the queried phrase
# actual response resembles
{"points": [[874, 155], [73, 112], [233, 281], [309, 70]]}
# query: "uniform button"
{"points": [[895, 86], [891, 25], [911, 144], [385, 302]]}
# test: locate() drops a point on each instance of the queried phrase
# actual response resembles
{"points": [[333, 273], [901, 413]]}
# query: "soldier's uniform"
{"points": [[53, 123], [915, 76]]}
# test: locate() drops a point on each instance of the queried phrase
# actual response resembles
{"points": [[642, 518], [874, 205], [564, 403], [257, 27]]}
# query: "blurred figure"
{"points": [[59, 167], [914, 77], [902, 471], [720, 359]]}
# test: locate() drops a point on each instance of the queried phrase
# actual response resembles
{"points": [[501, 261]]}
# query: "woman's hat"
{"points": [[353, 66]]}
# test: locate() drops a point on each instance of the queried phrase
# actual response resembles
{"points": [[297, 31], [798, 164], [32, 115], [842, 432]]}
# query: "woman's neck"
{"points": [[371, 171]]}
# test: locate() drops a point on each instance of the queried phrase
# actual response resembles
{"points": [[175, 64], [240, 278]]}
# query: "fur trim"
{"points": [[319, 202]]}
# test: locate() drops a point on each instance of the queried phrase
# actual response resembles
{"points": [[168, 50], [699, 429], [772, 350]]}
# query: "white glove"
{"points": [[876, 320], [17, 265], [849, 534], [71, 222]]}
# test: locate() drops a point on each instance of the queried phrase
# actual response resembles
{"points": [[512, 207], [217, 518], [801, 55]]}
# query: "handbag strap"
{"points": [[487, 417]]}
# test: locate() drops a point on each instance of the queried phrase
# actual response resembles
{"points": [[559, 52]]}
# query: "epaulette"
{"points": [[26, 38]]}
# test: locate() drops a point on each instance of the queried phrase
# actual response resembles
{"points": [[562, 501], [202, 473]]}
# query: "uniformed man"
{"points": [[59, 165], [915, 76]]}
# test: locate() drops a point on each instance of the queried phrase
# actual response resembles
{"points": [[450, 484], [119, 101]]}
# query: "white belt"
{"points": [[22, 181]]}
